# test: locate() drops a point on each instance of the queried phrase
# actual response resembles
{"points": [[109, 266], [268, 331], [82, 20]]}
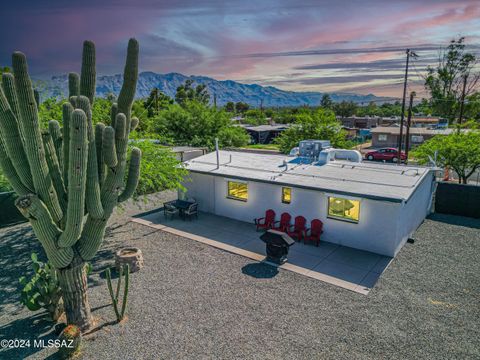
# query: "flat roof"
{"points": [[265, 127], [395, 130], [366, 179]]}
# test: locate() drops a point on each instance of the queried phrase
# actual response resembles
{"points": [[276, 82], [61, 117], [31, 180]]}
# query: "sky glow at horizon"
{"points": [[305, 45]]}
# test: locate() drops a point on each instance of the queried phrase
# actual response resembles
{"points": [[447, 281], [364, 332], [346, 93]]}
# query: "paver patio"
{"points": [[338, 265]]}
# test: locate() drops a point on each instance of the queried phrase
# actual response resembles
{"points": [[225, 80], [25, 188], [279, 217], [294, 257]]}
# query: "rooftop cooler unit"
{"points": [[312, 148]]}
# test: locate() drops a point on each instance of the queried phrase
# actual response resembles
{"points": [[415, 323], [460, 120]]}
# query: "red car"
{"points": [[385, 154]]}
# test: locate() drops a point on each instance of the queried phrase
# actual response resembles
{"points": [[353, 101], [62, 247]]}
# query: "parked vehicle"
{"points": [[385, 154]]}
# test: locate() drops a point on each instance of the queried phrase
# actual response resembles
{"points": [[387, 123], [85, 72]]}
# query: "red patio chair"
{"points": [[314, 232], [297, 230], [267, 221], [284, 222]]}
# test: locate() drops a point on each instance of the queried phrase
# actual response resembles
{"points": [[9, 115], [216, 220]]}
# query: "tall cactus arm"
{"points": [[88, 73], [77, 179], [113, 114], [45, 229], [115, 175], [55, 169], [56, 134], [8, 84], [73, 84], [33, 139], [10, 172], [93, 199], [66, 114], [130, 76], [133, 175], [133, 123], [108, 148], [13, 142], [99, 129]]}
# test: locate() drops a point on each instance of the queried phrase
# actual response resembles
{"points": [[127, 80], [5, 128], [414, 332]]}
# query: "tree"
{"points": [[345, 108], [321, 125], [423, 107], [241, 107], [459, 151], [326, 102], [187, 92], [255, 117], [230, 107], [156, 101], [196, 124], [69, 180], [472, 107], [445, 81]]}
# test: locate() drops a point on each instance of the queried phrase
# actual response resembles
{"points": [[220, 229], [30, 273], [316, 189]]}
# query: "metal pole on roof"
{"points": [[218, 153]]}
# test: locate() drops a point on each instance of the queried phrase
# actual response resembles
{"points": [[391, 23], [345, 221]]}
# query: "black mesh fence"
{"points": [[458, 199]]}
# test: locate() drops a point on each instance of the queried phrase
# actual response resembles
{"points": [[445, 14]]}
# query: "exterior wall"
{"points": [[377, 230], [415, 210], [392, 140]]}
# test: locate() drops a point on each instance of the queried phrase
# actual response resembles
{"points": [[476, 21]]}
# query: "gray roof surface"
{"points": [[369, 180], [413, 130]]}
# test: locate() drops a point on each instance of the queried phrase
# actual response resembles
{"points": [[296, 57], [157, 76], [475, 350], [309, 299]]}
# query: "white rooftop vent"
{"points": [[331, 154]]}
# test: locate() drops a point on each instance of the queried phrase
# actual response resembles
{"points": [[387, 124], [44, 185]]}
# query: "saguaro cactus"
{"points": [[69, 180]]}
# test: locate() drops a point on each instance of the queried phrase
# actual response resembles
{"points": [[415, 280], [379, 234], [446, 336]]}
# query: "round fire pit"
{"points": [[129, 255]]}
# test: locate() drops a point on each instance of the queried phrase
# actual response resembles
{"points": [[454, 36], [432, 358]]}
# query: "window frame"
{"points": [[284, 201], [382, 137], [341, 218], [235, 197]]}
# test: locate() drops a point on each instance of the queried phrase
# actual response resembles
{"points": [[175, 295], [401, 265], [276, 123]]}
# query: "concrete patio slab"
{"points": [[348, 268]]}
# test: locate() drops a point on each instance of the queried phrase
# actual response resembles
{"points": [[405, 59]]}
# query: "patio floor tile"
{"points": [[341, 271], [357, 258]]}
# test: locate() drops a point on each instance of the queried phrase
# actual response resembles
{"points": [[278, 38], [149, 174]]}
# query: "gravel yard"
{"points": [[194, 301]]}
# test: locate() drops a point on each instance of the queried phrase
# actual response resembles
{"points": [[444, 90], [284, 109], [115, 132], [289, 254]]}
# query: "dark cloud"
{"points": [[338, 79]]}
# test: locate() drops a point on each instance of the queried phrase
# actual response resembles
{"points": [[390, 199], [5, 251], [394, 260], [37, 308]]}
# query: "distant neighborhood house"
{"points": [[387, 136]]}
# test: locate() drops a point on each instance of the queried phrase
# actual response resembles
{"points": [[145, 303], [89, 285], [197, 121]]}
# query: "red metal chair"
{"points": [[284, 222], [297, 230], [314, 232], [267, 221]]}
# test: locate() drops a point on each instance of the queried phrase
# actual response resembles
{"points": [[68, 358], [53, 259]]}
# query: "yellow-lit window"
{"points": [[286, 195], [237, 190], [345, 209]]}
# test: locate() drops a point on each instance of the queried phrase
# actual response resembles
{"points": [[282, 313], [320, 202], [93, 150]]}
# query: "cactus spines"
{"points": [[69, 179], [73, 84], [33, 140], [88, 73]]}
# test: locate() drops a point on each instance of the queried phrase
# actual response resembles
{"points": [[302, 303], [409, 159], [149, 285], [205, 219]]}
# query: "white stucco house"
{"points": [[369, 206]]}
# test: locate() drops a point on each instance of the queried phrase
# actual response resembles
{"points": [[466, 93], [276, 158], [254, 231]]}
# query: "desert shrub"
{"points": [[159, 169]]}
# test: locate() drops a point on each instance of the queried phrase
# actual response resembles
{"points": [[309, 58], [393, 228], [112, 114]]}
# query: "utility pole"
{"points": [[460, 117], [409, 120], [400, 138]]}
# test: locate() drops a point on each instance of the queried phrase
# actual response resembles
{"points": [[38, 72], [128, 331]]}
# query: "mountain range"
{"points": [[225, 90]]}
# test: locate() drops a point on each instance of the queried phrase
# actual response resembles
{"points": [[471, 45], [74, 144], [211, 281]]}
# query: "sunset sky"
{"points": [[326, 46]]}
